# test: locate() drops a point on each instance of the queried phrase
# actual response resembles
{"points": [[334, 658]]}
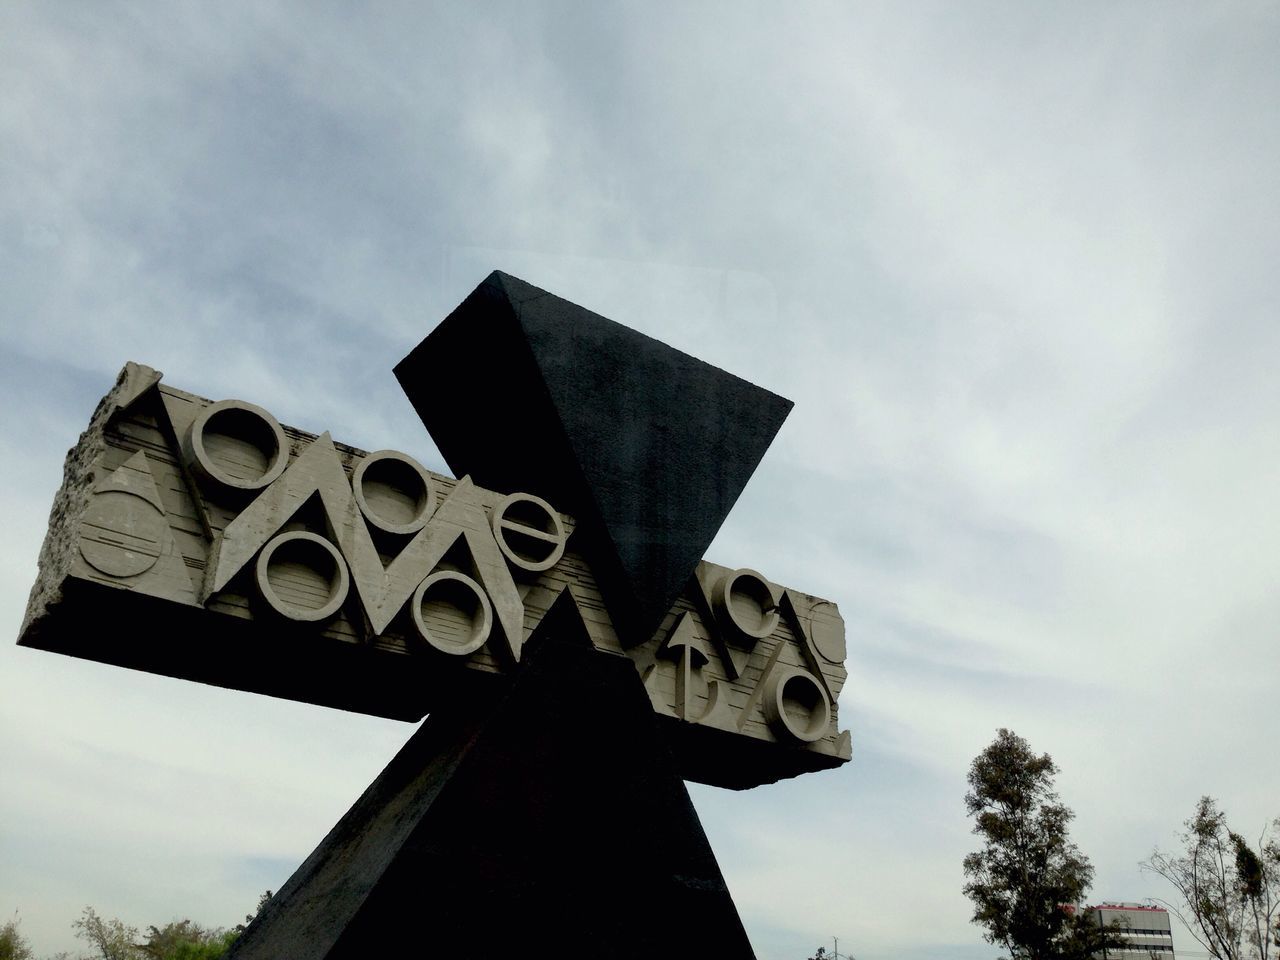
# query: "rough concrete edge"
{"points": [[80, 473]]}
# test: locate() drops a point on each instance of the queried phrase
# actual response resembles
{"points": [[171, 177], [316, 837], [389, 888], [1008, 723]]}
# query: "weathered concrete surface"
{"points": [[206, 541], [83, 469]]}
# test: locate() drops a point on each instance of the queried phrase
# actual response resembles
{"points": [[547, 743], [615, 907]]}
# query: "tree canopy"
{"points": [[1229, 893], [13, 946], [183, 939], [1028, 877], [113, 939]]}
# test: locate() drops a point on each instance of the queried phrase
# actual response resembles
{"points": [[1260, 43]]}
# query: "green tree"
{"points": [[250, 917], [1229, 893], [112, 939], [13, 946], [186, 940], [177, 940], [1028, 877]]}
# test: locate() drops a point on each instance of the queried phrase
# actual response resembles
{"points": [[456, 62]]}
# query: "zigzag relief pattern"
{"points": [[218, 508]]}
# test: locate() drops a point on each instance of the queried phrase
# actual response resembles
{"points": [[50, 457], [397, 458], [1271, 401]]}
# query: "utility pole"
{"points": [[835, 950]]}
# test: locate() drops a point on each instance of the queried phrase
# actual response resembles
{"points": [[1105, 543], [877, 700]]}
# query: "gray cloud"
{"points": [[1014, 264]]}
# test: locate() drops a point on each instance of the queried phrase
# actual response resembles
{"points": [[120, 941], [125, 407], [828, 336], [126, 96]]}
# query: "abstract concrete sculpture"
{"points": [[204, 540]]}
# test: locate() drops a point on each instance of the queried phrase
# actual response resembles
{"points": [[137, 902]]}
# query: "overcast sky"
{"points": [[1014, 263]]}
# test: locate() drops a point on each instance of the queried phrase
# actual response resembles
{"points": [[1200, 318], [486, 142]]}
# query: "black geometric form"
{"points": [[646, 446], [515, 826]]}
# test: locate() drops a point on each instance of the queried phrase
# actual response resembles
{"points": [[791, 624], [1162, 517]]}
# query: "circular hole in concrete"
{"points": [[239, 445], [804, 706], [394, 491], [302, 576], [452, 613], [749, 603]]}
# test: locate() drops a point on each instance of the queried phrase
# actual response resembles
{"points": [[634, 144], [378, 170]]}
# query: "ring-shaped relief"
{"points": [[302, 576], [452, 613], [238, 444], [744, 600], [395, 492], [524, 527], [796, 705]]}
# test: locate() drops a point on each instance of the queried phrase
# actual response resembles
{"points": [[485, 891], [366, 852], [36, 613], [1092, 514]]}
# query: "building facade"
{"points": [[1146, 930]]}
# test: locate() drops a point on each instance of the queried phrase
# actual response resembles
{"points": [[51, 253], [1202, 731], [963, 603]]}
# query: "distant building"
{"points": [[1146, 930]]}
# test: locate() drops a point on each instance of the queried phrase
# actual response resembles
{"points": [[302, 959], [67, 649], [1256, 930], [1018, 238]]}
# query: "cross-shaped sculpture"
{"points": [[550, 609]]}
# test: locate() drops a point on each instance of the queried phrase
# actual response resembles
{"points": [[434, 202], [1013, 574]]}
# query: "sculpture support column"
{"points": [[517, 823]]}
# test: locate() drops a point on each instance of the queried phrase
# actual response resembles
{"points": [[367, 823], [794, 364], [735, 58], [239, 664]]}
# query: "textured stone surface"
{"points": [[206, 541], [647, 446], [82, 470]]}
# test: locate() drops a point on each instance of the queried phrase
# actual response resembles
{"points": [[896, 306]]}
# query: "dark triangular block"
{"points": [[562, 623], [545, 822], [648, 447]]}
